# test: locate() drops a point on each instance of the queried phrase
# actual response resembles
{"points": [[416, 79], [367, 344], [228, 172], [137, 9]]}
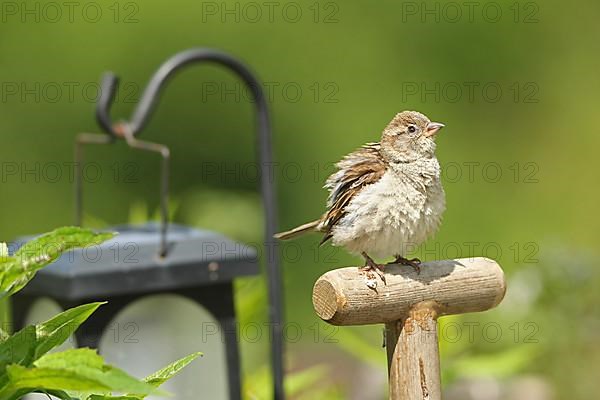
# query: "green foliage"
{"points": [[77, 370], [18, 269], [55, 331], [163, 375], [26, 365], [308, 383]]}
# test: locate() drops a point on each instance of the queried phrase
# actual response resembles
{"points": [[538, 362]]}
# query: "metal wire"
{"points": [[81, 140], [90, 138]]}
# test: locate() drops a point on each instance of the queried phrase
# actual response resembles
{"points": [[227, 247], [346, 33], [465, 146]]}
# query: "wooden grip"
{"points": [[342, 297]]}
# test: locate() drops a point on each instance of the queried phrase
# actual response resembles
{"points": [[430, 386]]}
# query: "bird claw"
{"points": [[370, 267], [413, 262]]}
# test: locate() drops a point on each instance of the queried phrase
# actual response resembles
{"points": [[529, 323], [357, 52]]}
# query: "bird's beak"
{"points": [[433, 129]]}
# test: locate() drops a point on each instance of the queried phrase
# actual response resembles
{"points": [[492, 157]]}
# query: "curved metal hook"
{"points": [[139, 120], [149, 98]]}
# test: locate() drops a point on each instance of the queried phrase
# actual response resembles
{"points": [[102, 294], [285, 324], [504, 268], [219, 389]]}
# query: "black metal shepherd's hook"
{"points": [[128, 130]]}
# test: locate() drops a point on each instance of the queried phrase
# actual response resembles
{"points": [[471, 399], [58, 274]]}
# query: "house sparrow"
{"points": [[384, 196]]}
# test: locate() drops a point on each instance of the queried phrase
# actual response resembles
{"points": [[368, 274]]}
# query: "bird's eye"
{"points": [[412, 129]]}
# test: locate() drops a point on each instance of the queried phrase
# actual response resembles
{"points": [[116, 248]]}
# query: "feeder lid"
{"points": [[130, 263]]}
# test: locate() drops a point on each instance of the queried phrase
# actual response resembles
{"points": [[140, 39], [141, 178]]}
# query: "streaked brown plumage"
{"points": [[384, 195]]}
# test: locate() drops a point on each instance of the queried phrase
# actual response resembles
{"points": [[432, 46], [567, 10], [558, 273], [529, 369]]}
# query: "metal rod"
{"points": [[139, 120], [81, 140], [164, 182], [90, 138]]}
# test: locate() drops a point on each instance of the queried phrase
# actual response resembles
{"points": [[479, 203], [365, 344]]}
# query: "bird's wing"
{"points": [[355, 171]]}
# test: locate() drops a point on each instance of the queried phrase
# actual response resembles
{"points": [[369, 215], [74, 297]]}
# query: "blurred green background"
{"points": [[516, 91]]}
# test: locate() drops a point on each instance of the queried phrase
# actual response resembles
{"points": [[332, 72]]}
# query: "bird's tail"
{"points": [[300, 230]]}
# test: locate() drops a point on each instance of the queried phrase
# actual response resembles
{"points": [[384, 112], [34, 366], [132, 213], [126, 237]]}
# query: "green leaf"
{"points": [[53, 379], [59, 393], [18, 349], [71, 359], [60, 240], [17, 394], [156, 379], [17, 270], [87, 362], [160, 377], [32, 342], [56, 330], [75, 370], [14, 394]]}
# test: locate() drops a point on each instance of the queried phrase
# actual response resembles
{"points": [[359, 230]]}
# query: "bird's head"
{"points": [[409, 136]]}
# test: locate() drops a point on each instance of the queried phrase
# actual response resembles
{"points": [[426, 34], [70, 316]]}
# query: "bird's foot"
{"points": [[413, 262], [371, 266]]}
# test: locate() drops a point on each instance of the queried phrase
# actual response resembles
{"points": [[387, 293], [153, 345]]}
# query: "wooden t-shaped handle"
{"points": [[409, 304]]}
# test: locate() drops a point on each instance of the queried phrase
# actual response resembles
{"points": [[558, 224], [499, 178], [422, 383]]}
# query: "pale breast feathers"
{"points": [[358, 169]]}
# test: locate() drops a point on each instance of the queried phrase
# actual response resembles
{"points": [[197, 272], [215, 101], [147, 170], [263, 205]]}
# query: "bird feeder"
{"points": [[169, 258]]}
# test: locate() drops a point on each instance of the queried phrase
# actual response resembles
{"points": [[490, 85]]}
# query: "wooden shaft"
{"points": [[409, 304], [342, 296], [413, 355]]}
